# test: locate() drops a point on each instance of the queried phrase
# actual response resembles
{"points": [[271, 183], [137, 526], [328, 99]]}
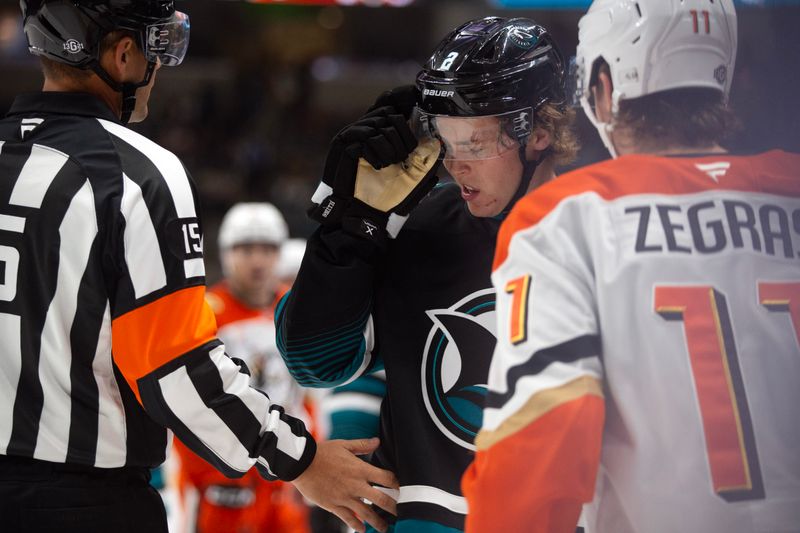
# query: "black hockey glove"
{"points": [[376, 171]]}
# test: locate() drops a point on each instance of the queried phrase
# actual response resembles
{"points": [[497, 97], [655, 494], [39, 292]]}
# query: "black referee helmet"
{"points": [[71, 32]]}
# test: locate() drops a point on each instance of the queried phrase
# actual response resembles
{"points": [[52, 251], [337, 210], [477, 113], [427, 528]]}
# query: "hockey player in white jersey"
{"points": [[648, 306]]}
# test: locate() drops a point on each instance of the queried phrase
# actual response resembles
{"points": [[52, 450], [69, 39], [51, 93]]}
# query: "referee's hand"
{"points": [[339, 481]]}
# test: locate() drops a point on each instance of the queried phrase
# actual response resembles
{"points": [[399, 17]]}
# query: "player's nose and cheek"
{"points": [[458, 167]]}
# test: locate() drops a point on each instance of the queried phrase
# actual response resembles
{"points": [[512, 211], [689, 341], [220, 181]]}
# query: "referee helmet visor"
{"points": [[167, 41]]}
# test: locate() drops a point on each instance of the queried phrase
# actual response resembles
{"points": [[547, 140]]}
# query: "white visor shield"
{"points": [[168, 41], [475, 138]]}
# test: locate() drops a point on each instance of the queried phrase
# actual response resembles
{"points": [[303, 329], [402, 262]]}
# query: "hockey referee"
{"points": [[107, 343]]}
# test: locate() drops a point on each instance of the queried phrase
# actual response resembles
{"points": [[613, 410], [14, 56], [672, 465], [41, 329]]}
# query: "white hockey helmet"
{"points": [[252, 223], [655, 45], [292, 253]]}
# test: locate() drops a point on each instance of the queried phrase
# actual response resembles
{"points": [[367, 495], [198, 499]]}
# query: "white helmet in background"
{"points": [[291, 256], [655, 45], [252, 223]]}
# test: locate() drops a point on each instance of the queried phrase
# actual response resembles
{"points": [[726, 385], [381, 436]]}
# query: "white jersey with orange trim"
{"points": [[653, 302], [249, 335]]}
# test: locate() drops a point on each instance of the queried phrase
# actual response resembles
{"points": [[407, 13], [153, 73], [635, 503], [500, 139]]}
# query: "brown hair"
{"points": [[689, 117], [557, 121], [685, 118]]}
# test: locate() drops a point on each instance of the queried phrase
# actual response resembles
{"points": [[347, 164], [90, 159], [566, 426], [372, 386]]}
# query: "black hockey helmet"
{"points": [[71, 31], [490, 66]]}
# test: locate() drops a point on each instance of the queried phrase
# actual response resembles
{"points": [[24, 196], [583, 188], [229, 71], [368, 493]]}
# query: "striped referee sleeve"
{"points": [[164, 334]]}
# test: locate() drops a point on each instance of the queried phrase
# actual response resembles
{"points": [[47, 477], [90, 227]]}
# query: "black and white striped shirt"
{"points": [[106, 338]]}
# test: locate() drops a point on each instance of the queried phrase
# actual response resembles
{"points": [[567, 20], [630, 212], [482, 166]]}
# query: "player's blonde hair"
{"points": [[557, 121]]}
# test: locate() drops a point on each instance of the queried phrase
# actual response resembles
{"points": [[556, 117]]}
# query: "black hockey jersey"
{"points": [[424, 311]]}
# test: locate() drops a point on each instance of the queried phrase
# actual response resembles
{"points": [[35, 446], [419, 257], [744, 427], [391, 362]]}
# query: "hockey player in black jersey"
{"points": [[386, 283]]}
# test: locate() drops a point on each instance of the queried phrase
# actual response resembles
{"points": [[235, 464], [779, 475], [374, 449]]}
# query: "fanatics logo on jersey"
{"points": [[455, 366], [28, 125], [715, 171]]}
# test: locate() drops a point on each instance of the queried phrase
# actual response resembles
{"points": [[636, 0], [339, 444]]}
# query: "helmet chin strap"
{"points": [[127, 88], [528, 169]]}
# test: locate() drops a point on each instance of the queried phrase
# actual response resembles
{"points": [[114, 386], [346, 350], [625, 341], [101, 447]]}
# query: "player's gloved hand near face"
{"points": [[377, 171]]}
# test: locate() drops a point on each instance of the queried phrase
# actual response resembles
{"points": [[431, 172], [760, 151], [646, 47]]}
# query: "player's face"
{"points": [[483, 161], [251, 267]]}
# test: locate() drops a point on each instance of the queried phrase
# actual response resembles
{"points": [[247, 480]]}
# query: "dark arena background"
{"points": [[266, 85]]}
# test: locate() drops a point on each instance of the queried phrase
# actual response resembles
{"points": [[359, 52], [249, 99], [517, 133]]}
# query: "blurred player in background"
{"points": [[291, 256], [251, 240], [418, 301], [649, 306]]}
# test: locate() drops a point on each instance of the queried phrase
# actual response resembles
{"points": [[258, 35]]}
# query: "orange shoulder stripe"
{"points": [[146, 338]]}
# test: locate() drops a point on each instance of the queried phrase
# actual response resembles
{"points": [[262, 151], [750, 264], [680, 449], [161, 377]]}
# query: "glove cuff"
{"points": [[357, 218]]}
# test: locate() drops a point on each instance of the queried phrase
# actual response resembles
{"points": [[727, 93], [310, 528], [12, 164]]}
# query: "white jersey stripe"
{"points": [[167, 164], [258, 404], [12, 223], [78, 230], [288, 442], [433, 495], [142, 252], [346, 401], [369, 343], [194, 268], [37, 174], [9, 374], [111, 429], [185, 402]]}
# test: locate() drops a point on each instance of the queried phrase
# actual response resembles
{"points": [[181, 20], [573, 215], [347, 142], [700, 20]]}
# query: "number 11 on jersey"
{"points": [[730, 440]]}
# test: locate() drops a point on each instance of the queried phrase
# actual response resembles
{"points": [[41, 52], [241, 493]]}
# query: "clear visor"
{"points": [[168, 41], [474, 138]]}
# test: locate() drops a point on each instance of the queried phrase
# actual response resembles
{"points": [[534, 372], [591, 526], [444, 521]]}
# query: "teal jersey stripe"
{"points": [[371, 385], [417, 526], [354, 425]]}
